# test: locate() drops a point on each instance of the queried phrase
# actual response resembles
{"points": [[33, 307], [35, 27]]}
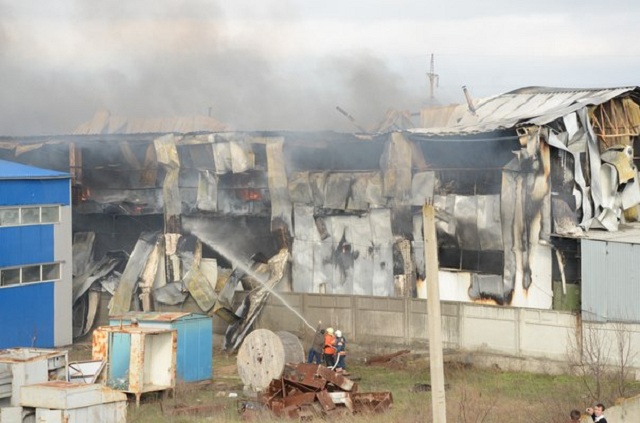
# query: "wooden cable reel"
{"points": [[263, 355]]}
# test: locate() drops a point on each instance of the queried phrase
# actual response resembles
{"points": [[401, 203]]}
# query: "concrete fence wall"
{"points": [[382, 324]]}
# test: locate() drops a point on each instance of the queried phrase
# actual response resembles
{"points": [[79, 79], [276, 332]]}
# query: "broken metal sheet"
{"points": [[255, 301], [224, 304], [581, 193], [166, 151], [344, 254], [606, 219], [363, 268], [466, 215], [337, 190], [172, 293], [366, 192], [241, 157], [121, 301], [97, 271], [122, 201], [277, 178], [317, 180], [608, 185], [209, 268], [381, 252], [110, 283], [84, 313], [489, 225], [512, 227], [82, 251], [322, 266], [571, 124], [148, 275], [201, 156], [622, 158], [631, 193], [306, 238], [490, 287], [565, 221], [207, 194], [171, 194], [200, 289], [222, 157], [396, 166], [594, 158], [358, 194], [422, 187], [300, 188], [446, 221]]}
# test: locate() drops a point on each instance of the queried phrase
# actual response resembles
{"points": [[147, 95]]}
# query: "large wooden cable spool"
{"points": [[263, 355]]}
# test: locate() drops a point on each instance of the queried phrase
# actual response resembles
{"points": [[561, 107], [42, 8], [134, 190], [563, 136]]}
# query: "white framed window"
{"points": [[33, 273], [29, 215]]}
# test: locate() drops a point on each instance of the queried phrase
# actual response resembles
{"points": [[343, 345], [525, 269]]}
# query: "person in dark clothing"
{"points": [[597, 413], [317, 345], [341, 353]]}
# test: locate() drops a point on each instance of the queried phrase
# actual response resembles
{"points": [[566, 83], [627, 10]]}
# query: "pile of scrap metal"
{"points": [[162, 271], [306, 391]]}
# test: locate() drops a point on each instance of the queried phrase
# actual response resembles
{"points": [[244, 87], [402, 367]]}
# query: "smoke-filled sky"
{"points": [[278, 64]]}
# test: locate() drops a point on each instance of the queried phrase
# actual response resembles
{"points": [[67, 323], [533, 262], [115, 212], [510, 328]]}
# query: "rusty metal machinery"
{"points": [[263, 355]]}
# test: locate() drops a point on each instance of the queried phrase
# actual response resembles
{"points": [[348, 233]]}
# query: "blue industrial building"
{"points": [[35, 257]]}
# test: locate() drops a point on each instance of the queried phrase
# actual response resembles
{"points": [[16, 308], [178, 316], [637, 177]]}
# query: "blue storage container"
{"points": [[195, 340]]}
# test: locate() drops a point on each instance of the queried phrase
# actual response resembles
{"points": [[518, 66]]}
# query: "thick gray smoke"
{"points": [[168, 58]]}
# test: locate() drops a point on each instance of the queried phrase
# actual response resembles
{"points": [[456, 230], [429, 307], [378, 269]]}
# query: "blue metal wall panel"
{"points": [[27, 316], [31, 191], [21, 245]]}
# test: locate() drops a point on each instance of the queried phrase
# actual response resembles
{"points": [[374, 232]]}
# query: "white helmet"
{"points": [[330, 331], [339, 334]]}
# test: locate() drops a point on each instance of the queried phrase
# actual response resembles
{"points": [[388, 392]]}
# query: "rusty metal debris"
{"points": [[306, 391]]}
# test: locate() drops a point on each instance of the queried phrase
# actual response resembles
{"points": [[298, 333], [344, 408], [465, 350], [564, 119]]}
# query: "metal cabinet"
{"points": [[26, 366], [139, 359]]}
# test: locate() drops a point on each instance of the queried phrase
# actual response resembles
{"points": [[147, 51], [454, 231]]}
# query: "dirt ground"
{"points": [[472, 394]]}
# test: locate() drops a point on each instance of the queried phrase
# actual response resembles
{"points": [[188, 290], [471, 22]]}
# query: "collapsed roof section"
{"points": [[510, 177]]}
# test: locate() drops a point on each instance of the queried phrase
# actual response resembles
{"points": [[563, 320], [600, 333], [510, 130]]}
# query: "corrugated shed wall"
{"points": [[610, 281]]}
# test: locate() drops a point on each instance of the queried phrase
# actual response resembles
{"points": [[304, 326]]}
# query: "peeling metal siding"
{"points": [[610, 281]]}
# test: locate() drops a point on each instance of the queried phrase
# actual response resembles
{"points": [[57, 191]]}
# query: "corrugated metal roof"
{"points": [[525, 106], [103, 123], [12, 170]]}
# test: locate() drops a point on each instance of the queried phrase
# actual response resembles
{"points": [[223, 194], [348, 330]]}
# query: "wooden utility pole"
{"points": [[434, 315], [433, 78]]}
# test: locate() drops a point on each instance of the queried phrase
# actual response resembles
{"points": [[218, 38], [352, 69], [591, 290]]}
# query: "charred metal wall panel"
{"points": [[610, 281]]}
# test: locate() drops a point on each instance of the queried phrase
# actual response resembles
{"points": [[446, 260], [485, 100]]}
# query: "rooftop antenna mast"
{"points": [[434, 78]]}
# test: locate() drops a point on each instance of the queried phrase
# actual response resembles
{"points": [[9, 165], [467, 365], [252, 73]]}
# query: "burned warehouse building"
{"points": [[169, 211]]}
